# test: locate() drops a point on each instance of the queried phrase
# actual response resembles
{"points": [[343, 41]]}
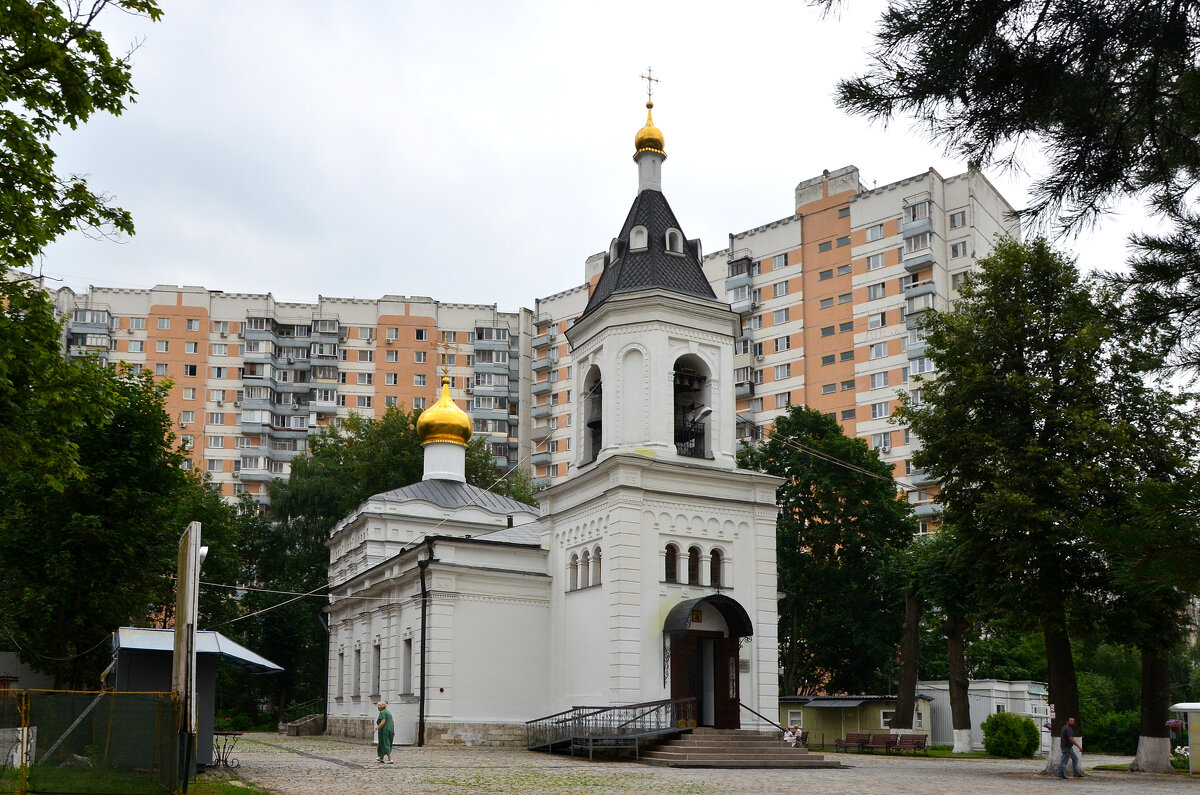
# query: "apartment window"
{"points": [[958, 219], [915, 212], [879, 380], [220, 349], [955, 280], [843, 212], [187, 416], [826, 303], [845, 298], [738, 294], [421, 334], [756, 377], [216, 441], [419, 380], [875, 291], [875, 262], [783, 371], [877, 320], [218, 372], [754, 323], [162, 346], [392, 355], [782, 344], [364, 401], [783, 400], [828, 359], [878, 350], [366, 356], [449, 336], [825, 274], [904, 374], [828, 389], [187, 441], [756, 404], [448, 359], [916, 242], [193, 324], [848, 414], [843, 241], [847, 356], [136, 346], [164, 322], [848, 385], [191, 347], [137, 323], [160, 369], [189, 393], [881, 441], [212, 464], [419, 403], [921, 365], [874, 233], [779, 261], [365, 379], [392, 334], [389, 402], [958, 249], [781, 315], [216, 418], [389, 379], [879, 411], [779, 289], [189, 370], [846, 326], [828, 331], [825, 246]]}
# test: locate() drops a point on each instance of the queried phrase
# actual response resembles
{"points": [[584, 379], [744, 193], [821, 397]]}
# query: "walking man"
{"points": [[1067, 746], [386, 729]]}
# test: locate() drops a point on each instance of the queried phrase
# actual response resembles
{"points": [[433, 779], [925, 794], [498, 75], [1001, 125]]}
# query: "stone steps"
{"points": [[732, 748]]}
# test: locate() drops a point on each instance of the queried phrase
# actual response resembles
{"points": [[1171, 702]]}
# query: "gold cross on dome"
{"points": [[441, 349], [650, 81]]}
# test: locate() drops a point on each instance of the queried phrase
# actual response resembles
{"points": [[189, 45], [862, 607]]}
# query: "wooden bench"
{"points": [[855, 740], [911, 742], [880, 742]]}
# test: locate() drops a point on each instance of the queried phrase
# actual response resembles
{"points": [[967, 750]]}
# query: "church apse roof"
{"points": [[651, 266]]}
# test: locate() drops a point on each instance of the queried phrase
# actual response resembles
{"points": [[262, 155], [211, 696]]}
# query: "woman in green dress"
{"points": [[386, 730]]}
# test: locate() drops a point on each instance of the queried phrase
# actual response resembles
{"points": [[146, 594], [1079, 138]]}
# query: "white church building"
{"points": [[649, 574]]}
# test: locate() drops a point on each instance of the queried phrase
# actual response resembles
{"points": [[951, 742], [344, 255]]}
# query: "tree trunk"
{"points": [[910, 642], [1154, 741], [1064, 689], [959, 685]]}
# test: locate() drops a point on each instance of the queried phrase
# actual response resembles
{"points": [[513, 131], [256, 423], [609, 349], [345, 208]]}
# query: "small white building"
{"points": [[988, 696], [648, 574]]}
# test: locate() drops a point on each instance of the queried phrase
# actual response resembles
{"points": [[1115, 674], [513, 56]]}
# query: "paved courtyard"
{"points": [[325, 766]]}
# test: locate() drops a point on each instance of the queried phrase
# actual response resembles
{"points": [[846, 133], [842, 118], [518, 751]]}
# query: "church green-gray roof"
{"points": [[453, 494], [652, 267]]}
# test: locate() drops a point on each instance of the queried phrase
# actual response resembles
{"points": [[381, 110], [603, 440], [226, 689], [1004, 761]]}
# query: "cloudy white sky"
{"points": [[467, 151]]}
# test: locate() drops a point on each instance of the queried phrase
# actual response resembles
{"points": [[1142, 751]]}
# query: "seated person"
{"points": [[792, 735]]}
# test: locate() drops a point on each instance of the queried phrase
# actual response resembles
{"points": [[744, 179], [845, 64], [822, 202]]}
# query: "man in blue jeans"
{"points": [[1067, 746]]}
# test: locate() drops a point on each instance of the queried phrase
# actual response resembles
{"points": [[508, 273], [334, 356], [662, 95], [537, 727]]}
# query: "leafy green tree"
{"points": [[1110, 92], [840, 532], [1032, 424], [75, 564]]}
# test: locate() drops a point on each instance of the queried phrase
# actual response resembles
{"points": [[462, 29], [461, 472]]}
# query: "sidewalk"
{"points": [[323, 766]]}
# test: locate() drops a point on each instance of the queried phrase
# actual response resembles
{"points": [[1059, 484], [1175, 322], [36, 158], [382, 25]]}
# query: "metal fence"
{"points": [[55, 741]]}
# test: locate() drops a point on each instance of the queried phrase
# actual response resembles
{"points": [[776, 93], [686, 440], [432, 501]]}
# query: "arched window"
{"points": [[693, 407], [613, 250], [573, 573], [637, 237], [694, 566], [674, 241], [585, 569], [714, 569], [593, 408], [671, 570], [596, 566]]}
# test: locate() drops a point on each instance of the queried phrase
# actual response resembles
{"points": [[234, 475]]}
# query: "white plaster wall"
{"points": [[501, 660]]}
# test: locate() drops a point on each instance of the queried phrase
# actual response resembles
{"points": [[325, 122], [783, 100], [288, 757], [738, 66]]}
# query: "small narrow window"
{"points": [[694, 566], [596, 566], [674, 241], [585, 565], [573, 573], [670, 563], [637, 237], [714, 569]]}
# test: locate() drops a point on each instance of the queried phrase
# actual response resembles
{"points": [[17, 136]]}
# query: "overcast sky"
{"points": [[468, 151]]}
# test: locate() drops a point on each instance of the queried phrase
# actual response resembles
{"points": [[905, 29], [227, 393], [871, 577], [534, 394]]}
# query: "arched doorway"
{"points": [[700, 639]]}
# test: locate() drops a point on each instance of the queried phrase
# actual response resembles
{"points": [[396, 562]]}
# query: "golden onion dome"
{"points": [[444, 421], [650, 138]]}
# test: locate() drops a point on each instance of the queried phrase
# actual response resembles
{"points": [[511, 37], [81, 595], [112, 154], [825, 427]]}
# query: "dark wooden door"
{"points": [[685, 669], [726, 693]]}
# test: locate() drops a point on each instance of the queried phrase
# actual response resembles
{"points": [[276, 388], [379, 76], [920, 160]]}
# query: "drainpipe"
{"points": [[423, 565]]}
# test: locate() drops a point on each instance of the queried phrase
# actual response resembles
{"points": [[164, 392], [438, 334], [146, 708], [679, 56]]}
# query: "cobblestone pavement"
{"points": [[329, 766]]}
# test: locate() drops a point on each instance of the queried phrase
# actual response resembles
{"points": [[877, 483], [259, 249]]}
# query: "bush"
{"points": [[1113, 732], [1010, 736]]}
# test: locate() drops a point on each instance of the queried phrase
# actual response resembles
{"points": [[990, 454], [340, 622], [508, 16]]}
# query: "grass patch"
{"points": [[204, 785], [1125, 769]]}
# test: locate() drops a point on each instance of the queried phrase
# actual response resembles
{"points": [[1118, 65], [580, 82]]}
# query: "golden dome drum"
{"points": [[444, 421], [650, 137]]}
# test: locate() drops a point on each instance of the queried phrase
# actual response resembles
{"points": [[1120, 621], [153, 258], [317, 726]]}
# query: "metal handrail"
{"points": [[625, 725], [759, 714]]}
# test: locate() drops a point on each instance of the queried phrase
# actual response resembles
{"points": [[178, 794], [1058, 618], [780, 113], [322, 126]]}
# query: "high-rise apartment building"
{"points": [[254, 377], [829, 299], [828, 295]]}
